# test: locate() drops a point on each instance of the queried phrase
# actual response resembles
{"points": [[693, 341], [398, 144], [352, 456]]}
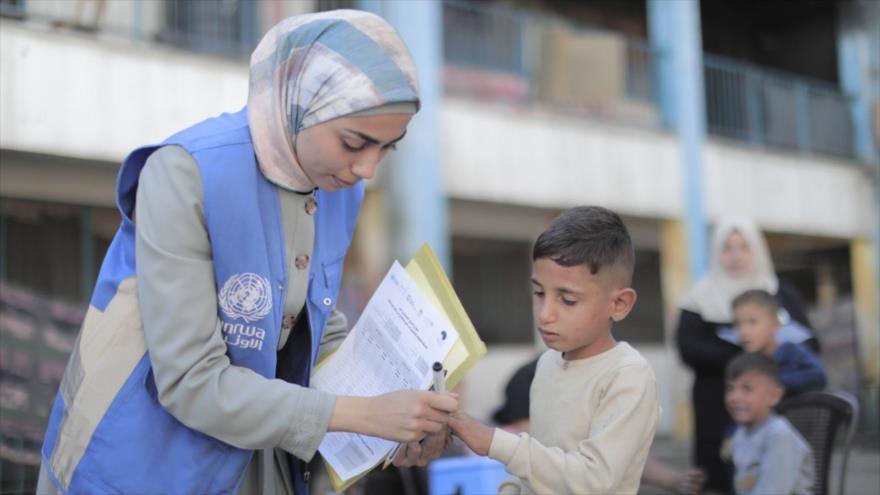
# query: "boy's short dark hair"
{"points": [[752, 361], [757, 296], [587, 235]]}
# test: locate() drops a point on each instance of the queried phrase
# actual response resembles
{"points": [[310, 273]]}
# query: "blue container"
{"points": [[468, 475]]}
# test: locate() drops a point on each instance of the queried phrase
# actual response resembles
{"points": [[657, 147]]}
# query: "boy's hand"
{"points": [[476, 435], [421, 453], [690, 482]]}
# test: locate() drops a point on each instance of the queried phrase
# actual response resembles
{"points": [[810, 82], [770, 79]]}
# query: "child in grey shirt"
{"points": [[769, 455]]}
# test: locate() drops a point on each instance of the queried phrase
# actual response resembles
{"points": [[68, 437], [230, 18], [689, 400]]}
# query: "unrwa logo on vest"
{"points": [[247, 296]]}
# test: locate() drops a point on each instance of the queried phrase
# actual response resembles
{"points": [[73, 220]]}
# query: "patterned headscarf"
{"points": [[313, 68], [713, 294]]}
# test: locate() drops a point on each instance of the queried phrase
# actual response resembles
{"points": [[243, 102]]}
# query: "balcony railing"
{"points": [[502, 53], [219, 27], [767, 107], [497, 53]]}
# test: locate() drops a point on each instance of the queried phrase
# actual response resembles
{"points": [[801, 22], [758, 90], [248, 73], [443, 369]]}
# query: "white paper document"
{"points": [[391, 347]]}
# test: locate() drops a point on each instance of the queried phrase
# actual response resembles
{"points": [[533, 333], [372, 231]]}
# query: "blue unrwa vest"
{"points": [[137, 446]]}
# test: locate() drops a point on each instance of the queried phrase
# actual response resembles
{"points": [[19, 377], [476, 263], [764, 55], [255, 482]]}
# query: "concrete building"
{"points": [[671, 113]]}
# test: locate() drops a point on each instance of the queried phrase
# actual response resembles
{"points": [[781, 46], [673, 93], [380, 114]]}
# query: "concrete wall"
{"points": [[136, 18], [786, 192], [530, 157], [72, 95], [527, 157]]}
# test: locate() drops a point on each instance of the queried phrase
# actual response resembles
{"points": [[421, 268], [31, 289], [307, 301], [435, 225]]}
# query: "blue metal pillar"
{"points": [[417, 204], [858, 63], [674, 31]]}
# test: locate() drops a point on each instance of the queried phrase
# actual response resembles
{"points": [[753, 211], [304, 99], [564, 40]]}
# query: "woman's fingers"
{"points": [[435, 408], [433, 426], [435, 416], [409, 415], [444, 402]]}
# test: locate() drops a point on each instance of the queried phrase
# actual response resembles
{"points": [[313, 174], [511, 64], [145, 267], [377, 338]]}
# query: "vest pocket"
{"points": [[324, 288], [333, 272]]}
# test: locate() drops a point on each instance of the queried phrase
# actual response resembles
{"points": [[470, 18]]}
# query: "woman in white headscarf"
{"points": [[740, 261], [217, 294]]}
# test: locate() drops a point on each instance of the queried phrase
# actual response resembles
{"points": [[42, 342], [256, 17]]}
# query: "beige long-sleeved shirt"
{"points": [[592, 422]]}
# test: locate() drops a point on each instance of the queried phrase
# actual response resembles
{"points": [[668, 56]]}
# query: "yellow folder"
{"points": [[428, 275]]}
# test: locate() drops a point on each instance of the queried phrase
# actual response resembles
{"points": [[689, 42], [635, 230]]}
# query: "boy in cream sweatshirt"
{"points": [[594, 404]]}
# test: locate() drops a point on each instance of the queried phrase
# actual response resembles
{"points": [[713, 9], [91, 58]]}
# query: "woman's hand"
{"points": [[476, 435], [402, 416]]}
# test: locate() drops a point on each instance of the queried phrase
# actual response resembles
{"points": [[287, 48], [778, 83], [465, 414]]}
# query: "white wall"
{"points": [[787, 192], [527, 157], [135, 17], [72, 95], [523, 156]]}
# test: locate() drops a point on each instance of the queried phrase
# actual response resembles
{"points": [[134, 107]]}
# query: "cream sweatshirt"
{"points": [[592, 424]]}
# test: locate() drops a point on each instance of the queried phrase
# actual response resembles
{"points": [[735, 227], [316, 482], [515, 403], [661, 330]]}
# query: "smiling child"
{"points": [[769, 455]]}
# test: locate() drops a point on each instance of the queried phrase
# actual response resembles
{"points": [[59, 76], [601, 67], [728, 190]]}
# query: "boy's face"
{"points": [[573, 308], [751, 397], [756, 326]]}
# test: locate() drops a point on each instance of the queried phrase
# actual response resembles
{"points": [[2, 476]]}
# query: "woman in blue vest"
{"points": [[217, 295]]}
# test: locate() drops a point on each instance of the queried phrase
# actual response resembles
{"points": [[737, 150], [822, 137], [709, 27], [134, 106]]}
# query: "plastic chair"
{"points": [[820, 417]]}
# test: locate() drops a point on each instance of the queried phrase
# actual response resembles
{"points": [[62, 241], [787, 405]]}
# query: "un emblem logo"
{"points": [[247, 296]]}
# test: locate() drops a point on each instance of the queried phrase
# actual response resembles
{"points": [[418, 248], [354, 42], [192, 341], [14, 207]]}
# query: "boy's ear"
{"points": [[623, 302], [777, 392]]}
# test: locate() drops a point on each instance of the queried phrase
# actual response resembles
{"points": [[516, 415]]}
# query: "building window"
{"points": [[49, 254], [223, 27], [12, 8], [492, 280], [54, 249], [324, 5]]}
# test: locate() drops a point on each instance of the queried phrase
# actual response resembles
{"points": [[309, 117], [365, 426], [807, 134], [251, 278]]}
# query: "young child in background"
{"points": [[769, 456], [756, 322], [593, 401]]}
